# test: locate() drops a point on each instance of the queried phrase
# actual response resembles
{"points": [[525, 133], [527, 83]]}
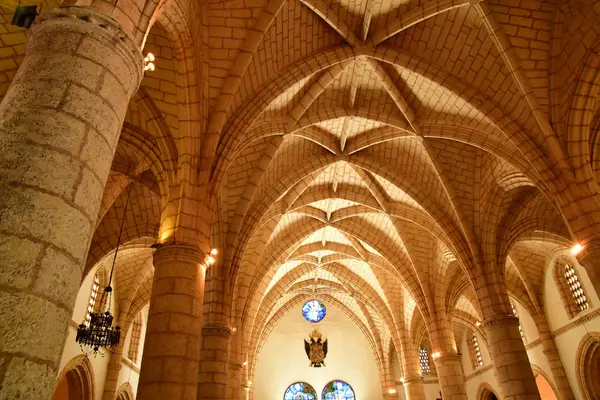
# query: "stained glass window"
{"points": [[337, 390], [92, 302], [424, 359], [575, 287], [477, 351], [300, 391], [313, 311]]}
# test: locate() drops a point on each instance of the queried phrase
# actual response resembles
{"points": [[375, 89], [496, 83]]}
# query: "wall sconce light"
{"points": [[214, 252], [435, 355], [149, 62], [392, 391], [576, 249]]}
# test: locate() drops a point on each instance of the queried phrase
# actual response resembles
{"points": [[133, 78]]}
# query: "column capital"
{"points": [[216, 330], [445, 356], [90, 22], [179, 251], [497, 320], [410, 380]]}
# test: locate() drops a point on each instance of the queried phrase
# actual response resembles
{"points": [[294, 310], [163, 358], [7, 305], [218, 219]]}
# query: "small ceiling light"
{"points": [[478, 323], [211, 260], [245, 363], [149, 62], [392, 391], [576, 249], [214, 252], [233, 329], [402, 380]]}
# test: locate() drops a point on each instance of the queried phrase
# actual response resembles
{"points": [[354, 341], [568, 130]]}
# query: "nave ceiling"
{"points": [[390, 157]]}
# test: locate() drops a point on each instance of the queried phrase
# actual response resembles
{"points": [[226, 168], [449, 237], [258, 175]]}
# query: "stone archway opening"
{"points": [[486, 393], [75, 384], [588, 356]]}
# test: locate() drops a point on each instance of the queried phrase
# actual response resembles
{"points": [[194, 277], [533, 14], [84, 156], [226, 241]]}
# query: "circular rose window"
{"points": [[313, 311]]}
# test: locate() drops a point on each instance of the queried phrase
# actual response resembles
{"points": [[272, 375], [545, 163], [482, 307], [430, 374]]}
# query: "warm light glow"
{"points": [[576, 249], [478, 323], [435, 355], [233, 329], [245, 363], [210, 260], [249, 383], [402, 380], [392, 391], [148, 62], [214, 252]]}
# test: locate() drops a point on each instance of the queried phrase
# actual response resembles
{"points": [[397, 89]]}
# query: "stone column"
{"points": [[234, 380], [172, 345], [59, 126], [447, 361], [413, 388], [551, 352], [214, 360], [450, 375], [412, 380], [509, 358], [112, 374]]}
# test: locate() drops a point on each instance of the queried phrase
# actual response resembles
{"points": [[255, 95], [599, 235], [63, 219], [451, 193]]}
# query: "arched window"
{"points": [[424, 360], [300, 391], [92, 303], [476, 352], [576, 288], [134, 344], [337, 390], [514, 310]]}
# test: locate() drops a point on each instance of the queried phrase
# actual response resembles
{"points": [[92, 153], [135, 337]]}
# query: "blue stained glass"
{"points": [[313, 311], [338, 390], [300, 391]]}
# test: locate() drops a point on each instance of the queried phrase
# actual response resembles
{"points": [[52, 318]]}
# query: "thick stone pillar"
{"points": [[551, 352], [412, 379], [451, 376], [234, 379], [445, 356], [214, 362], [59, 126], [413, 388], [112, 374], [509, 358], [172, 345]]}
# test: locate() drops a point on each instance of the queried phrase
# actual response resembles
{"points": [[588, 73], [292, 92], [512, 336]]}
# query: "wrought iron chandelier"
{"points": [[99, 332]]}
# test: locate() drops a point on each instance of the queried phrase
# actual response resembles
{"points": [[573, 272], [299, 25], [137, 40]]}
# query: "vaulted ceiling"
{"points": [[373, 153]]}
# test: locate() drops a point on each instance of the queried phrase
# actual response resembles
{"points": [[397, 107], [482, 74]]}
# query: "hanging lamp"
{"points": [[98, 332]]}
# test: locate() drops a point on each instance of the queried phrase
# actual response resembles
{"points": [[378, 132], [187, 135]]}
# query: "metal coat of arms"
{"points": [[316, 350]]}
